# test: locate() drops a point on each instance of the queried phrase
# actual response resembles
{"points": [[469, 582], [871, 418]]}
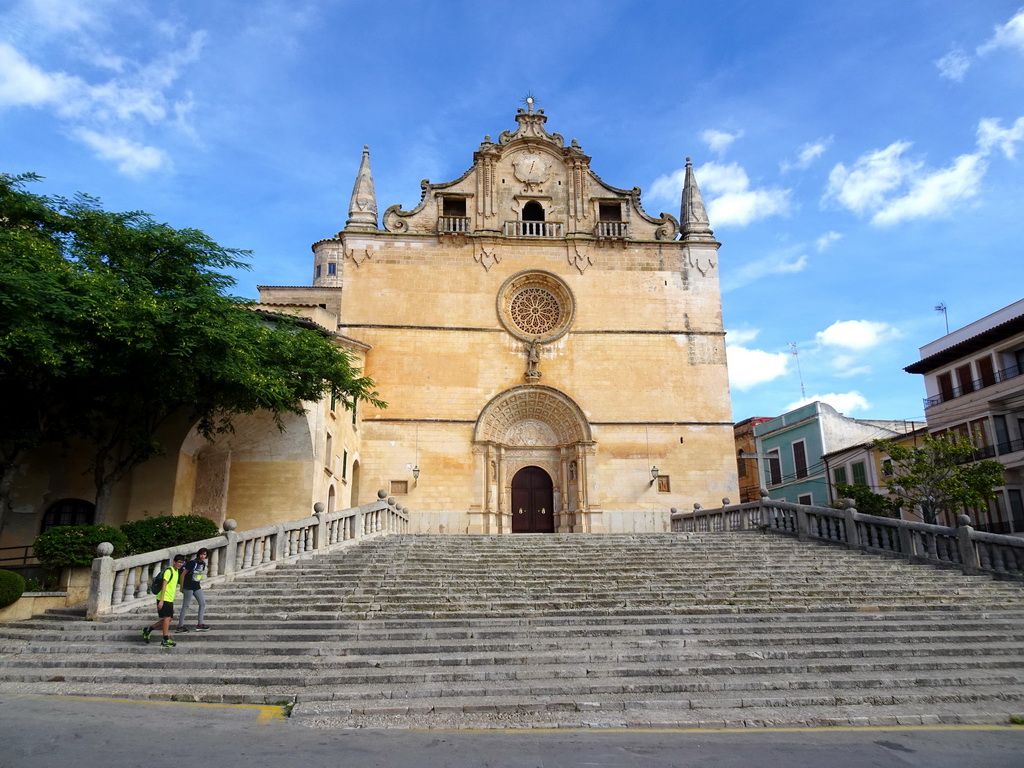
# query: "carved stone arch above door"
{"points": [[534, 413]]}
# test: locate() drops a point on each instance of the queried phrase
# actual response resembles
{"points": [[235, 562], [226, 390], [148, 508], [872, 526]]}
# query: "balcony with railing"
{"points": [[533, 229], [986, 381], [612, 229], [452, 225]]}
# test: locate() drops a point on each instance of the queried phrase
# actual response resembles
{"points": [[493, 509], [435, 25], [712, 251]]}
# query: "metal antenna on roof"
{"points": [[796, 354], [941, 307]]}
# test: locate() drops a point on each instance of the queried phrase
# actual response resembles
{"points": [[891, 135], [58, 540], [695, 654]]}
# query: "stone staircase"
{"points": [[549, 630]]}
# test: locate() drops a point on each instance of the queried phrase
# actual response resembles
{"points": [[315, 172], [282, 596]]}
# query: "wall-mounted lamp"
{"points": [[416, 473], [654, 474]]}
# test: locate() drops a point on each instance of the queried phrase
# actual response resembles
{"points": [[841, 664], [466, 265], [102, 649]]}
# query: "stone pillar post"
{"points": [[968, 557], [322, 539], [101, 581], [850, 520], [227, 567]]}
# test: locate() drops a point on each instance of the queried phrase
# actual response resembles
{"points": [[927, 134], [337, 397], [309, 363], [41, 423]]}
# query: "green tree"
{"points": [[112, 324], [867, 501], [940, 475]]}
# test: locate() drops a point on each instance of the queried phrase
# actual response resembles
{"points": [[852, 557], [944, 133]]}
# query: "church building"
{"points": [[552, 355]]}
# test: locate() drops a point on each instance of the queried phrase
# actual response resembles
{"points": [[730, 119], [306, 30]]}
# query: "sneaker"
{"points": [[181, 629], [146, 632], [167, 643], [201, 628]]}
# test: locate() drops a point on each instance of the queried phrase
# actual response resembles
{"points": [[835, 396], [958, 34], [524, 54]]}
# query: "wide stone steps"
{"points": [[579, 630]]}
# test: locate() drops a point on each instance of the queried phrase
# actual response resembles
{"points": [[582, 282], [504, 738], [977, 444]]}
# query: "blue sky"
{"points": [[861, 162]]}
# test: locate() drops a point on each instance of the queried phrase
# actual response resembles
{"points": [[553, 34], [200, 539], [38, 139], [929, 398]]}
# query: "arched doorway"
{"points": [[533, 501]]}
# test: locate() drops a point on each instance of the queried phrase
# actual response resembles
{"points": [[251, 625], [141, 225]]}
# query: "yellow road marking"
{"points": [[267, 713]]}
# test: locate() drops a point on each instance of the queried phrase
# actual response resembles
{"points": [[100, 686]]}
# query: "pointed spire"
{"points": [[362, 211], [693, 217]]}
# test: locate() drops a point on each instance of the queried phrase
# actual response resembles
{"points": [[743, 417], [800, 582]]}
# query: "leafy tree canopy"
{"points": [[110, 323], [867, 501], [939, 474]]}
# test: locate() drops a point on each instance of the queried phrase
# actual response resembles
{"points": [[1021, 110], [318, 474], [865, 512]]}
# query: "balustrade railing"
{"points": [[963, 547], [533, 229], [453, 224], [121, 584], [612, 229]]}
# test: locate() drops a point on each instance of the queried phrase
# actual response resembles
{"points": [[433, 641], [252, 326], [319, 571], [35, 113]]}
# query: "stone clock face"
{"points": [[531, 168]]}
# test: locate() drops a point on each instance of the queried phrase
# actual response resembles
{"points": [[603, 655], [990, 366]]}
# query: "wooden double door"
{"points": [[533, 501]]}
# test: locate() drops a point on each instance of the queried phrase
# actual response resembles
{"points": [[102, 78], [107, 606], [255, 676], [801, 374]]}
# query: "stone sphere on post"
{"points": [[104, 549], [318, 508], [697, 506], [230, 524], [391, 501], [382, 494], [726, 502], [849, 503], [963, 520]]}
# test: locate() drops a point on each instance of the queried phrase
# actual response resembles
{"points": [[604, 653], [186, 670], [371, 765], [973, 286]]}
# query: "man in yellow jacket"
{"points": [[165, 603]]}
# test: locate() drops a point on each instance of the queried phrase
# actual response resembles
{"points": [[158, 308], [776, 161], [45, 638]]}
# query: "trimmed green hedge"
{"points": [[154, 533], [68, 545], [12, 585]]}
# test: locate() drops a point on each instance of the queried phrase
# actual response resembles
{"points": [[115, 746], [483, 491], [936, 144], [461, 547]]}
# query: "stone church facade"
{"points": [[543, 344]]}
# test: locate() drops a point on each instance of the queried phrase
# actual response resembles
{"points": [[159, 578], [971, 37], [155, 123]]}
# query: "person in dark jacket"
{"points": [[192, 586]]}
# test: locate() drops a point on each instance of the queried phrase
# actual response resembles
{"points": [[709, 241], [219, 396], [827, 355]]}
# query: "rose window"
{"points": [[536, 306], [535, 311]]}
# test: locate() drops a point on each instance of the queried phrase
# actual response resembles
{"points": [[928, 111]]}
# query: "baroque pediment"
{"points": [[530, 184]]}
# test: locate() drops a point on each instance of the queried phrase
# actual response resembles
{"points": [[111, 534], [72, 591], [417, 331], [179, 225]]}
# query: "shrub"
{"points": [[12, 585], [68, 545], [154, 533]]}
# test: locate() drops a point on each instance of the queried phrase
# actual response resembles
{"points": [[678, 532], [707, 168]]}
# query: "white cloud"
{"points": [[954, 65], [807, 154], [781, 263], [858, 335], [719, 141], [742, 335], [992, 134], [132, 159], [1009, 35], [23, 84], [730, 200], [824, 242], [936, 192], [102, 114], [844, 402], [872, 178], [893, 188], [669, 187], [750, 367]]}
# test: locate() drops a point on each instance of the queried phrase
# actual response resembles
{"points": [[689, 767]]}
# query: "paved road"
{"points": [[52, 732]]}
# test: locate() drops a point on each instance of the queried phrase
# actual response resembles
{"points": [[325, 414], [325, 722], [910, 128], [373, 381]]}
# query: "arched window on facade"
{"points": [[69, 512], [533, 211]]}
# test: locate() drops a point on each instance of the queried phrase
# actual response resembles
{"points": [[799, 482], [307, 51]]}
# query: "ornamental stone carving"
{"points": [[536, 306]]}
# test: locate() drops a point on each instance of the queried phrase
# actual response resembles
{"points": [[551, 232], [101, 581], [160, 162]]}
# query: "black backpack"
{"points": [[157, 585]]}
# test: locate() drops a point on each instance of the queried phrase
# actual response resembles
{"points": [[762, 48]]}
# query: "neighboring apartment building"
{"points": [[864, 464], [975, 389], [747, 468], [791, 447]]}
